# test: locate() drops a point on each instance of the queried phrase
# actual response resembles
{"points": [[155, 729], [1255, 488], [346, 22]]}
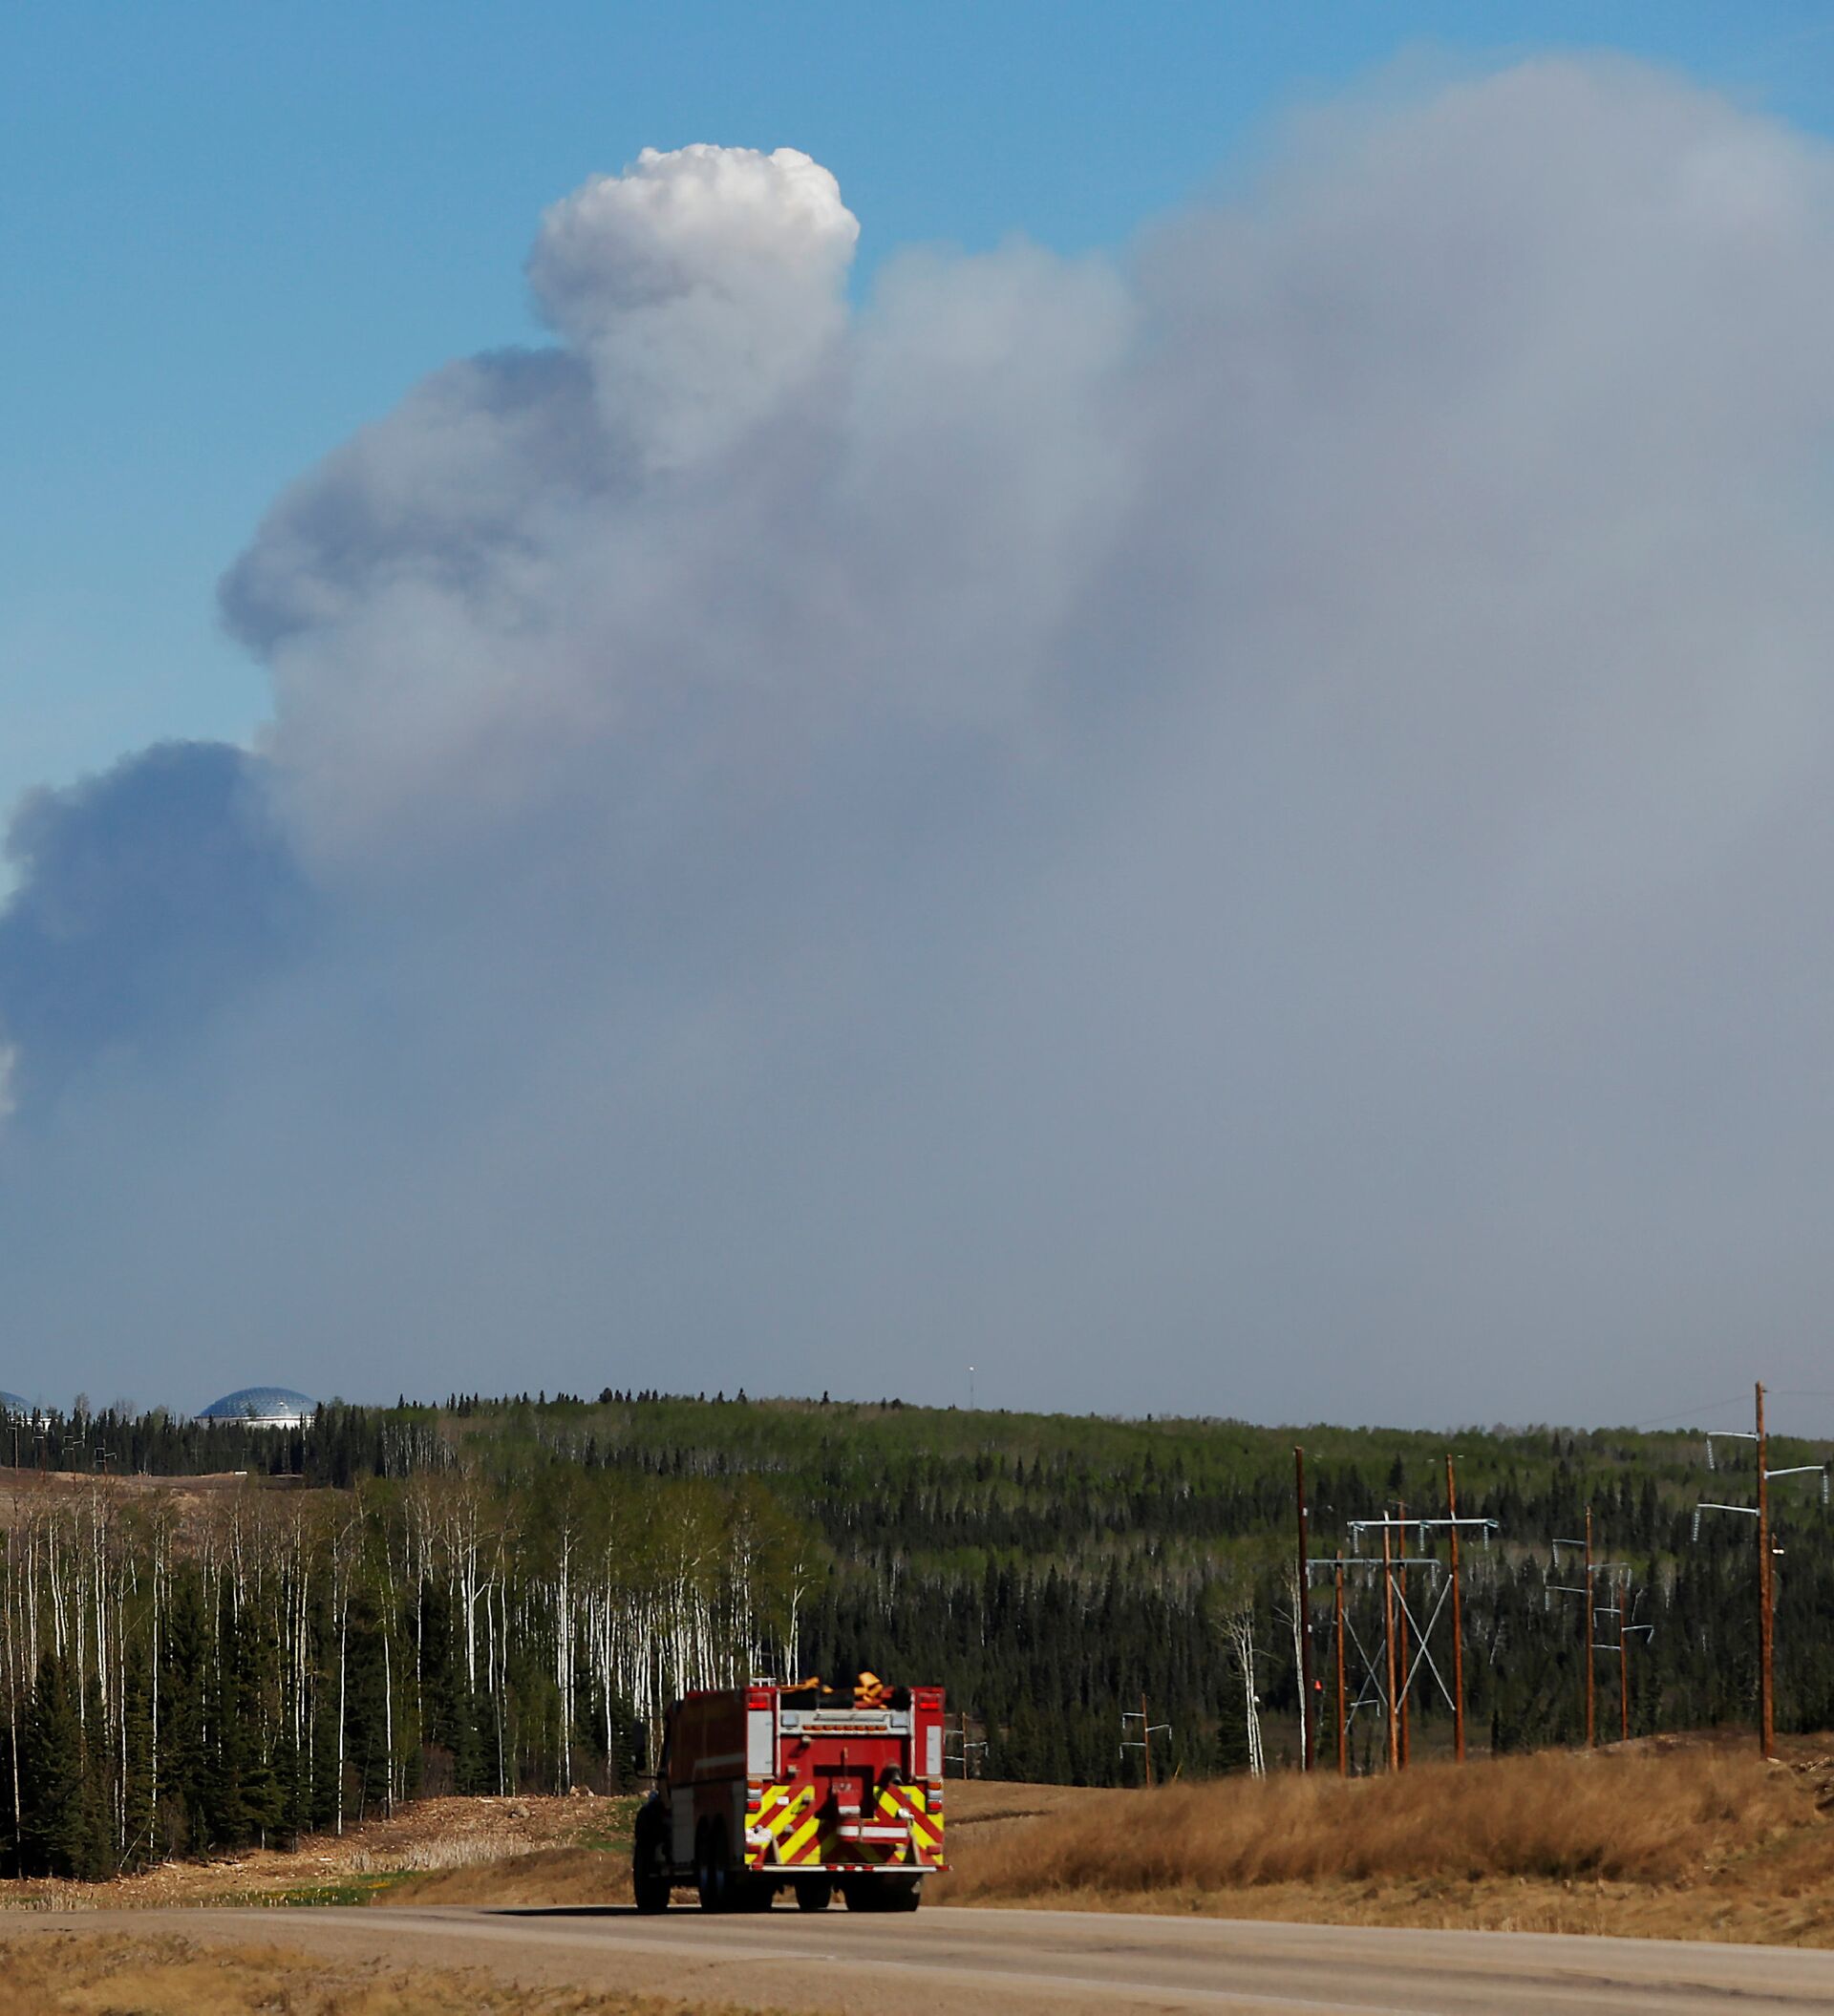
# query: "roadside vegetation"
{"points": [[1697, 1839], [82, 1975], [533, 1851]]}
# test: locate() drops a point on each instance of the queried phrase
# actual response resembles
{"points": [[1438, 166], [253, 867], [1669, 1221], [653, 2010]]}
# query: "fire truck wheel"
{"points": [[713, 1879], [813, 1897], [649, 1871]]}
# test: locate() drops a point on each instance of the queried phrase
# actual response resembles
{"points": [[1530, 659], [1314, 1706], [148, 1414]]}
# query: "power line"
{"points": [[1688, 1415]]}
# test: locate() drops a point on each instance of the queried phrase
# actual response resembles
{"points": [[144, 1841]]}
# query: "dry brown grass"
{"points": [[114, 1976], [436, 1836], [546, 1876], [1627, 1818], [1703, 1840]]}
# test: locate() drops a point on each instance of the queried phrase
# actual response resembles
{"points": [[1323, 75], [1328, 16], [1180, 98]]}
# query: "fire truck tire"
{"points": [[901, 1893], [713, 1877], [813, 1897], [649, 1871]]}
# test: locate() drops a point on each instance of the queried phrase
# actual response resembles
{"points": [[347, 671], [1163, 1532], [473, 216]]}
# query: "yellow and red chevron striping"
{"points": [[783, 1827], [777, 1813], [909, 1805]]}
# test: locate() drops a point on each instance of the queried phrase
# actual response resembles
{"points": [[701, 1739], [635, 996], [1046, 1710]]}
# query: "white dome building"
{"points": [[262, 1406]]}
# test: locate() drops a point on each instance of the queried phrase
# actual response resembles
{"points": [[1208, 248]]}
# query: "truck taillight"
{"points": [[934, 1751]]}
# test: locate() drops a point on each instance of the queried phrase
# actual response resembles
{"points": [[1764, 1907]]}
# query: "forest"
{"points": [[496, 1596]]}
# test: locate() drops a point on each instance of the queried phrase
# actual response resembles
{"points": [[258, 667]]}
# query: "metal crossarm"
{"points": [[1803, 1470], [1421, 1525], [1750, 1512], [1374, 1561], [1726, 1434]]}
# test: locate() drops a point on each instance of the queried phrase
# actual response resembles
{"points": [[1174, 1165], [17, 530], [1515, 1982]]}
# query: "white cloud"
{"points": [[703, 284]]}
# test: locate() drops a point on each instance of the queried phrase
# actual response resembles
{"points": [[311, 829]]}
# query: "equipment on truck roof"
{"points": [[803, 1787]]}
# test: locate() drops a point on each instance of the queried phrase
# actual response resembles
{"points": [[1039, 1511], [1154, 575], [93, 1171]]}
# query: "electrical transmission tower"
{"points": [[1388, 1676]]}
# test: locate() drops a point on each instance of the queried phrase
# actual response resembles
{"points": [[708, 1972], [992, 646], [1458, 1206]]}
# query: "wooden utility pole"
{"points": [[1766, 1568], [1146, 1743], [1589, 1732], [1405, 1646], [1622, 1666], [1343, 1723], [1458, 1617], [1766, 1717], [1388, 1640], [1304, 1621]]}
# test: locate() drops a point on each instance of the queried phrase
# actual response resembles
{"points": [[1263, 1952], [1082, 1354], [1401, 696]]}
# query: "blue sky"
{"points": [[234, 234]]}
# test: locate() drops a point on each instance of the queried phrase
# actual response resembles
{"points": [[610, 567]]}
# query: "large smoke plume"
{"points": [[1239, 827]]}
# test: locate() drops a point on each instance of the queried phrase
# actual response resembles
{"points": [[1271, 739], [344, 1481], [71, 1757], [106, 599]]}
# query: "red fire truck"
{"points": [[807, 1788]]}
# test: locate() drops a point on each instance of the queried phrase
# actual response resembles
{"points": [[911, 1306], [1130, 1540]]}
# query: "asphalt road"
{"points": [[1028, 1962]]}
